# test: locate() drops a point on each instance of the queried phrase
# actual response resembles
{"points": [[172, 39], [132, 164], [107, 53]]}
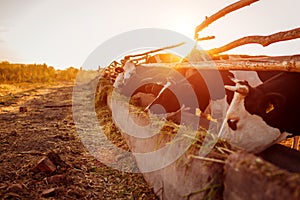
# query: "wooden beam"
{"points": [[258, 39], [279, 63]]}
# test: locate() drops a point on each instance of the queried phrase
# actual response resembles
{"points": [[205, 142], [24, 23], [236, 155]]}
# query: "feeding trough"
{"points": [[174, 134], [204, 164]]}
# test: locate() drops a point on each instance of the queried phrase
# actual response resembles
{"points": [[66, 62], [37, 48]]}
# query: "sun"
{"points": [[183, 26]]}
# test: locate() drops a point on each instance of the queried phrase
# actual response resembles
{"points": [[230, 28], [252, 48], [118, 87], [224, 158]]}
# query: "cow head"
{"points": [[248, 122], [129, 70]]}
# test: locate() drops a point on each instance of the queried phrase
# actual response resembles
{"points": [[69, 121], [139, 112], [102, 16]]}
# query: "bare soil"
{"points": [[37, 122]]}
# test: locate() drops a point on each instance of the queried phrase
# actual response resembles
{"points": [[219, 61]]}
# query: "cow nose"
{"points": [[232, 123]]}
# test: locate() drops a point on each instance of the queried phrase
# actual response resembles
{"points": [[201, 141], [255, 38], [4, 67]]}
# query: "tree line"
{"points": [[34, 73]]}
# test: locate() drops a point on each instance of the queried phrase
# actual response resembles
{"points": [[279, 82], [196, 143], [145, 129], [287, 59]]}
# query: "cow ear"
{"points": [[272, 103]]}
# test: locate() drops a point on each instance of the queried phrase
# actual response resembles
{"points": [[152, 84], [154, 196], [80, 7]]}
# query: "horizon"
{"points": [[19, 63]]}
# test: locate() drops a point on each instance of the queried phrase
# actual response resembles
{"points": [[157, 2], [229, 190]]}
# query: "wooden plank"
{"points": [[279, 63]]}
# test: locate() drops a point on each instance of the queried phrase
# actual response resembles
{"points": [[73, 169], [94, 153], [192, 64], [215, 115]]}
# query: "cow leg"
{"points": [[296, 142]]}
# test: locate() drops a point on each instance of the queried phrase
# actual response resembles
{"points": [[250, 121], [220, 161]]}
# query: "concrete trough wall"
{"points": [[247, 176]]}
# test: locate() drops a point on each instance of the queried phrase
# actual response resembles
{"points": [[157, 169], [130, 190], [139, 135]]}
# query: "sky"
{"points": [[63, 33]]}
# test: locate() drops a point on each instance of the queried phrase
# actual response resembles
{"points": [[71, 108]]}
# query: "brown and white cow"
{"points": [[261, 116], [174, 89]]}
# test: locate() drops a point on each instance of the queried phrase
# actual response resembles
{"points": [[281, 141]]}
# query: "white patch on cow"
{"points": [[129, 69], [119, 80], [252, 133], [251, 77]]}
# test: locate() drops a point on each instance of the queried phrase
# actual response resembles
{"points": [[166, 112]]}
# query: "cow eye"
{"points": [[270, 107]]}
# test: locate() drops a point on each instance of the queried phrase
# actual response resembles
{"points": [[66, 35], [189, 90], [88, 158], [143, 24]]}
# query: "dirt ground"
{"points": [[36, 123]]}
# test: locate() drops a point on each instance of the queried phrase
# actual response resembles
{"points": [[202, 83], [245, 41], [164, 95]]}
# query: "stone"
{"points": [[45, 165], [59, 178]]}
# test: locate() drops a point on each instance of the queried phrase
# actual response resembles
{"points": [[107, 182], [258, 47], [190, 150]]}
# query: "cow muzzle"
{"points": [[239, 88]]}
